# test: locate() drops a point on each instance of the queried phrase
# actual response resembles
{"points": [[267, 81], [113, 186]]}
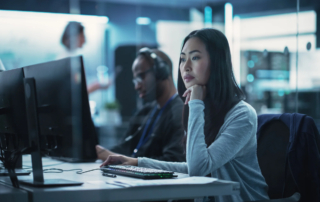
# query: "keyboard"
{"points": [[137, 172]]}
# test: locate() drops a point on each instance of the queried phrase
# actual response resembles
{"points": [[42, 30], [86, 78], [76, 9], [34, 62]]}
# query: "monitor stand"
{"points": [[34, 136]]}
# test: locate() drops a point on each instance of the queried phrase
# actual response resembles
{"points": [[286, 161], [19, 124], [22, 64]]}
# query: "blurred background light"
{"points": [[250, 64], [275, 32], [228, 10], [236, 58], [281, 92], [207, 16], [250, 78], [272, 74], [143, 21], [41, 16]]}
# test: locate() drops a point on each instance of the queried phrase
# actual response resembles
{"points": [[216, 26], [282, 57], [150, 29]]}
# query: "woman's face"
{"points": [[195, 63], [81, 40]]}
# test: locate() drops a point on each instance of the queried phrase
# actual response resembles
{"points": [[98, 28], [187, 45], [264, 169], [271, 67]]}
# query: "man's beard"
{"points": [[151, 94]]}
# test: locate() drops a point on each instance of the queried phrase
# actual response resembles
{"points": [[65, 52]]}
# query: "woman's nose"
{"points": [[187, 66]]}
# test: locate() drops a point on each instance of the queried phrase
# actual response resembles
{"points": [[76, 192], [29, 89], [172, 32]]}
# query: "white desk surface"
{"points": [[95, 188]]}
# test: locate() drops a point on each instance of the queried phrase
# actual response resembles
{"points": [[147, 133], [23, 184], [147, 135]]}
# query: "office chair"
{"points": [[294, 198], [271, 152], [293, 165]]}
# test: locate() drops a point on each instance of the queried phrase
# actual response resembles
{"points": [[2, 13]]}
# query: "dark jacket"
{"points": [[165, 143], [303, 152]]}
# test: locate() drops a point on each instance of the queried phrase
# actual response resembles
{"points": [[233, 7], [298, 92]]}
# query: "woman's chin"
{"points": [[187, 86], [191, 83]]}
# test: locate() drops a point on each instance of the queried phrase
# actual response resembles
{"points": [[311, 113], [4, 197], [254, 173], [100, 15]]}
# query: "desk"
{"points": [[95, 187], [11, 194]]}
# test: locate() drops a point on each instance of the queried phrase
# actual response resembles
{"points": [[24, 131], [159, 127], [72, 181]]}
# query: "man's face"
{"points": [[144, 79]]}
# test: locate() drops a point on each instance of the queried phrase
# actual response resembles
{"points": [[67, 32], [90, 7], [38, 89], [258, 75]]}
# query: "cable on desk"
{"points": [[80, 172], [59, 170]]}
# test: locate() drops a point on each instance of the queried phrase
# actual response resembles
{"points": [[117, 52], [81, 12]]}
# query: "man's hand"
{"points": [[103, 153], [120, 159]]}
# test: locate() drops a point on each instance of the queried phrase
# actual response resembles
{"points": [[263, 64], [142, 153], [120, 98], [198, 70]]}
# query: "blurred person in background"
{"points": [[156, 130], [221, 128], [73, 39]]}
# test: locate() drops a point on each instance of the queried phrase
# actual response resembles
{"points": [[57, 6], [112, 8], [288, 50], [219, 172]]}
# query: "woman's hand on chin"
{"points": [[194, 92], [120, 159]]}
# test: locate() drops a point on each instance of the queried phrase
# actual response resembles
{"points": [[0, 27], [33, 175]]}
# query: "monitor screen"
{"points": [[63, 108], [13, 121]]}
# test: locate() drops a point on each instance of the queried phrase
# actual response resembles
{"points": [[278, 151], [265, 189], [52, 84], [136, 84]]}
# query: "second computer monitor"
{"points": [[63, 108]]}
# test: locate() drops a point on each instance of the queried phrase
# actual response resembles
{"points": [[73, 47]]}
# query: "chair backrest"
{"points": [[271, 151]]}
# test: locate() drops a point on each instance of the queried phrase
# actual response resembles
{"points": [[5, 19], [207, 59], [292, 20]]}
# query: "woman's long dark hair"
{"points": [[222, 90]]}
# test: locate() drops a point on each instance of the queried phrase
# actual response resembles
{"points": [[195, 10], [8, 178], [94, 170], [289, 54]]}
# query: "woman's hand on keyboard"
{"points": [[120, 160]]}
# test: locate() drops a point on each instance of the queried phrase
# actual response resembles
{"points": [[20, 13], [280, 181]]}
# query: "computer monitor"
{"points": [[63, 111], [52, 97], [13, 124], [13, 120]]}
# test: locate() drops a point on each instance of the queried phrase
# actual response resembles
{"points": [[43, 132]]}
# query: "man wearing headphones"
{"points": [[156, 131]]}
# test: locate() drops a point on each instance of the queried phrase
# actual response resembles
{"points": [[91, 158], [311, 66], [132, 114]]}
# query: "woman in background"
{"points": [[73, 39], [221, 128]]}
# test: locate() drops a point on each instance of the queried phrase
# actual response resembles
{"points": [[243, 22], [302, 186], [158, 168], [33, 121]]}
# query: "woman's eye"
{"points": [[182, 59], [195, 58]]}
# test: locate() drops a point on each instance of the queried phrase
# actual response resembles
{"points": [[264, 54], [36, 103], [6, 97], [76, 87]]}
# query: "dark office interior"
{"points": [[275, 51]]}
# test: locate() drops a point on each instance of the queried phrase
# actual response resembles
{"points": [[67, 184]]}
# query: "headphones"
{"points": [[160, 67]]}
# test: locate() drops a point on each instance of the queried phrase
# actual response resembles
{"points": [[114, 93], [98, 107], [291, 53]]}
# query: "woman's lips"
{"points": [[188, 78]]}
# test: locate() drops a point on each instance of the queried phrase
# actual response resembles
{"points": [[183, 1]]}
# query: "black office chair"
{"points": [[294, 198], [271, 151]]}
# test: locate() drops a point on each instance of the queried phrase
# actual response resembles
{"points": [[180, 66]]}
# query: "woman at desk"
{"points": [[220, 126]]}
